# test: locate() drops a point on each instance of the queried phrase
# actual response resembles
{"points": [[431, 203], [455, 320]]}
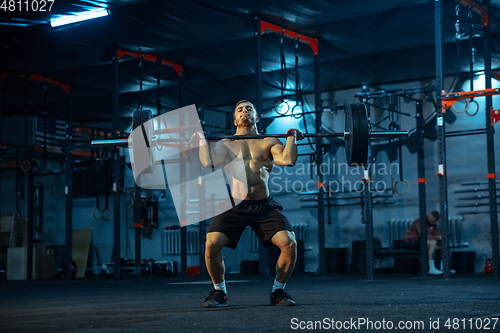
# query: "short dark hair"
{"points": [[436, 215], [243, 101]]}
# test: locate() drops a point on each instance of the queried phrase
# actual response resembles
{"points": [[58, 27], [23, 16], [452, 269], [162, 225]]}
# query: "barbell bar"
{"points": [[124, 143], [356, 135]]}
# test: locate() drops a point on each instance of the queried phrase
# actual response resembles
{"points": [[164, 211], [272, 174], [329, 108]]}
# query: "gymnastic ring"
{"points": [[464, 110], [477, 109], [44, 167], [107, 214], [281, 113], [395, 187], [97, 214], [300, 115], [392, 186], [26, 165]]}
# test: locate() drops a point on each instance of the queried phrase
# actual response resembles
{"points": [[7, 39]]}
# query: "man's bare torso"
{"points": [[258, 162]]}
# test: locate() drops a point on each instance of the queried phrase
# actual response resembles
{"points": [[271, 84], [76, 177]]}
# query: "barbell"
{"points": [[357, 136]]}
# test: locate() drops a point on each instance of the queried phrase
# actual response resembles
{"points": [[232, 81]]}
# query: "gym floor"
{"points": [[175, 305]]}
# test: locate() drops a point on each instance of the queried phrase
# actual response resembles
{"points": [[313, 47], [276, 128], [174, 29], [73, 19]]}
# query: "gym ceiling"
{"points": [[378, 42]]}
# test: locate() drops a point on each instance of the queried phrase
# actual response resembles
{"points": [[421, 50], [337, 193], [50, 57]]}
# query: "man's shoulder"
{"points": [[272, 140]]}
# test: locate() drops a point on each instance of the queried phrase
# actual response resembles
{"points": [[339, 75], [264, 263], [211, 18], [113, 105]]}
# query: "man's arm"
{"points": [[287, 155], [434, 234], [413, 232], [211, 156]]}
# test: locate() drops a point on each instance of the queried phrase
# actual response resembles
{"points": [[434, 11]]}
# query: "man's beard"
{"points": [[245, 122]]}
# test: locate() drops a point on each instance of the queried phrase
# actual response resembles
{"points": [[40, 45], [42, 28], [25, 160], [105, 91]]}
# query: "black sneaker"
{"points": [[281, 297], [216, 299]]}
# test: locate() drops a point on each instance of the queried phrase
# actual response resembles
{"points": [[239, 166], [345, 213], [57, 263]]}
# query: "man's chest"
{"points": [[254, 149]]}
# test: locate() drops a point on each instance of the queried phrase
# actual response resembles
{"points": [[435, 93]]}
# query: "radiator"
{"points": [[300, 230], [398, 230], [173, 240]]}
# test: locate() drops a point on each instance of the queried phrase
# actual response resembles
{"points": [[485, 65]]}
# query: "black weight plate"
{"points": [[348, 130], [364, 135], [355, 153], [351, 124], [143, 147], [136, 119], [148, 132], [357, 139]]}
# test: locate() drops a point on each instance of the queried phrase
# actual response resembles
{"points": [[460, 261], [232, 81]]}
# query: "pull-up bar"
{"points": [[450, 99], [313, 43], [149, 57]]}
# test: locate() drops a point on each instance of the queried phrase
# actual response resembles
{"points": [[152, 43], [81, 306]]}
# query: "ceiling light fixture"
{"points": [[78, 17]]}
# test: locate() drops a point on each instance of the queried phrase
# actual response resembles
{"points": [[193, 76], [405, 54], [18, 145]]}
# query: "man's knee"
{"points": [[289, 245], [212, 247], [215, 243]]}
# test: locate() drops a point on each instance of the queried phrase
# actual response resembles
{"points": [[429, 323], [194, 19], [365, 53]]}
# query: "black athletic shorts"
{"points": [[263, 216]]}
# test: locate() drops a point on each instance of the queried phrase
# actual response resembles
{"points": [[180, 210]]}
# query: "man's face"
{"points": [[431, 220], [245, 115]]}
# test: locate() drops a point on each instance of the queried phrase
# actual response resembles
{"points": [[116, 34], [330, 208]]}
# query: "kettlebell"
{"points": [[488, 267]]}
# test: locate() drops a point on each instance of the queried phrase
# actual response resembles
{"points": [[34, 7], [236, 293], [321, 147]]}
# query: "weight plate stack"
{"points": [[357, 139]]}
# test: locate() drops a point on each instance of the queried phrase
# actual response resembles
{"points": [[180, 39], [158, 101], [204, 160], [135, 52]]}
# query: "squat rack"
{"points": [[408, 95], [445, 100], [66, 150], [261, 27], [137, 199]]}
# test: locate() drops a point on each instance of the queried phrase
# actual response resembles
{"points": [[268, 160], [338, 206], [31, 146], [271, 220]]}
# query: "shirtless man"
{"points": [[257, 209]]}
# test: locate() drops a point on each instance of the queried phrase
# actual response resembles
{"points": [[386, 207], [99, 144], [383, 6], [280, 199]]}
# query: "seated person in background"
{"points": [[412, 238]]}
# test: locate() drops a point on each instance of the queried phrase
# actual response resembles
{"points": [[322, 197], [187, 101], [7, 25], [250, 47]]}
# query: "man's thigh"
{"points": [[218, 239], [266, 226], [230, 225]]}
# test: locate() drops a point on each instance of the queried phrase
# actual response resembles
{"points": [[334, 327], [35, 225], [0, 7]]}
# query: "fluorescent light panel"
{"points": [[78, 17]]}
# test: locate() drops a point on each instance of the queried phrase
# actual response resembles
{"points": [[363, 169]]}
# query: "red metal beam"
{"points": [[495, 116], [66, 87], [12, 164], [495, 75], [313, 43], [480, 9], [450, 98], [149, 57]]}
